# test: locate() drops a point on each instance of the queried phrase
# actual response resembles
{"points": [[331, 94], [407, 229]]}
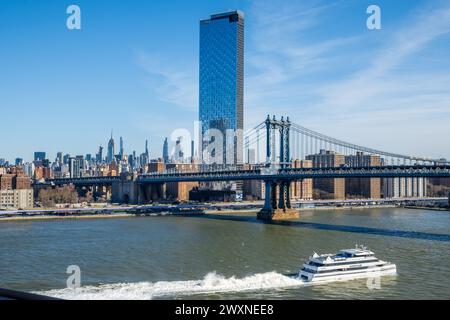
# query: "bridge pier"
{"points": [[281, 209]]}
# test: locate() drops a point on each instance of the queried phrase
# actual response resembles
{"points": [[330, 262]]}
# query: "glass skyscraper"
{"points": [[222, 77]]}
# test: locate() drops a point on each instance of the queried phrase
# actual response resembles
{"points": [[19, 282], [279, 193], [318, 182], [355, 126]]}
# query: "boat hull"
{"points": [[386, 270]]}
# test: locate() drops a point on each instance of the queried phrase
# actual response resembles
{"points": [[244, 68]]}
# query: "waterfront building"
{"points": [[16, 199], [438, 187], [299, 190], [328, 188], [180, 190], [221, 82], [363, 187], [404, 187], [302, 189], [15, 189]]}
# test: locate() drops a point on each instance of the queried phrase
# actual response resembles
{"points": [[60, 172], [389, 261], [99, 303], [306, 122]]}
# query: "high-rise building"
{"points": [[59, 159], [328, 188], [66, 159], [16, 199], [19, 161], [28, 169], [179, 154], [39, 156], [99, 155], [121, 151], [404, 187], [222, 82], [110, 155], [302, 189], [363, 187], [166, 151], [76, 167]]}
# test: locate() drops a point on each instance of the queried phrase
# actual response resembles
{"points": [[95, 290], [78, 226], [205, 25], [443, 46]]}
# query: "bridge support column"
{"points": [[277, 210]]}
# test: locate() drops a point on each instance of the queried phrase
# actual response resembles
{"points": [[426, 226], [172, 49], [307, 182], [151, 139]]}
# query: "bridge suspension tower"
{"points": [[277, 188]]}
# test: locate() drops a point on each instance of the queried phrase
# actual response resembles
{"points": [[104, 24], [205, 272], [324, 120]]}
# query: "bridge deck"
{"points": [[441, 171]]}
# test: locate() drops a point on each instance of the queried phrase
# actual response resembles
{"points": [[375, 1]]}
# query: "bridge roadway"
{"points": [[273, 174], [300, 173]]}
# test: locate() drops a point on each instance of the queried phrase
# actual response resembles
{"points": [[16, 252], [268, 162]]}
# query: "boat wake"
{"points": [[211, 283]]}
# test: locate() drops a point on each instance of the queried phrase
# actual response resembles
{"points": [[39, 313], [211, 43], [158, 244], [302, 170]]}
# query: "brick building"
{"points": [[363, 187], [328, 188]]}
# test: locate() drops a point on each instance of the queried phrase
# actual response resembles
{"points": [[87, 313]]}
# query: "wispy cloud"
{"points": [[281, 52], [169, 82], [380, 76], [386, 93]]}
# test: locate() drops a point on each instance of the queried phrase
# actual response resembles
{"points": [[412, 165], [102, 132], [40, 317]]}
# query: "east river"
{"points": [[225, 257]]}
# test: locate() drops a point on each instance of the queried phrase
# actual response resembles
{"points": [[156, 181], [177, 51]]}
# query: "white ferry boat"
{"points": [[347, 264]]}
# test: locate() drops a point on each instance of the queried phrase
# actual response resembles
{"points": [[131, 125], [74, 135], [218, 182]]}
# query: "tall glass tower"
{"points": [[222, 78]]}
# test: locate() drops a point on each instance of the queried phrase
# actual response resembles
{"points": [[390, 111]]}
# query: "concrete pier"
{"points": [[278, 214]]}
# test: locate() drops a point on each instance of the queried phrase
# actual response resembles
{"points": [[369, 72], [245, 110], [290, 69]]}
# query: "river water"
{"points": [[225, 257]]}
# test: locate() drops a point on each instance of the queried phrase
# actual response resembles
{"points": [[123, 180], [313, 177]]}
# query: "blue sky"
{"points": [[133, 68]]}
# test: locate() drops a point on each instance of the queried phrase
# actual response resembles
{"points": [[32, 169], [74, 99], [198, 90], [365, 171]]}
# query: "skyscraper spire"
{"points": [[110, 154]]}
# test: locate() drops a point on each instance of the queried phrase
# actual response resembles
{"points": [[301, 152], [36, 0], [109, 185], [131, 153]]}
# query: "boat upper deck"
{"points": [[350, 255]]}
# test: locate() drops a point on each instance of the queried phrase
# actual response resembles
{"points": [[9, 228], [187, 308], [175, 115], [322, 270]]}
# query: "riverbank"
{"points": [[188, 209], [71, 216]]}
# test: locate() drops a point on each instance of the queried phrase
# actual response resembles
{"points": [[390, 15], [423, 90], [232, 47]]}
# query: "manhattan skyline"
{"points": [[315, 62]]}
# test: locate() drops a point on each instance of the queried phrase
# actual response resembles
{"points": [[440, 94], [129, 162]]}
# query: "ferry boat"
{"points": [[347, 264]]}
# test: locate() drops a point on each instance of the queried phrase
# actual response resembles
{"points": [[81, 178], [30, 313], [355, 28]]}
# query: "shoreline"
{"points": [[124, 214], [73, 216]]}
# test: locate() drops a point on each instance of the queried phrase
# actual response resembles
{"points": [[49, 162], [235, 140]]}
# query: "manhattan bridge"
{"points": [[283, 141]]}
